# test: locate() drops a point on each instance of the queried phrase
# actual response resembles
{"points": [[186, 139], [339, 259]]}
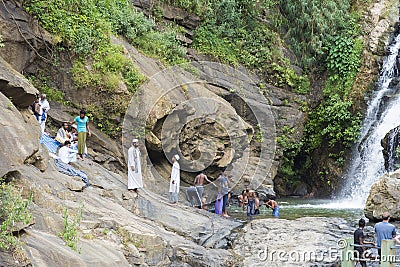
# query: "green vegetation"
{"points": [[325, 35], [233, 33], [311, 25], [129, 238], [84, 27], [13, 210], [71, 228]]}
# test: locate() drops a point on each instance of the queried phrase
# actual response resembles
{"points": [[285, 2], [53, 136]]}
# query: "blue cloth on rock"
{"points": [[51, 144], [71, 171]]}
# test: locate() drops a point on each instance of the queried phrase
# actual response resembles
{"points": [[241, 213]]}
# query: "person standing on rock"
{"points": [[384, 231], [44, 109], [83, 130], [36, 109], [134, 167], [175, 180], [359, 240], [224, 191]]}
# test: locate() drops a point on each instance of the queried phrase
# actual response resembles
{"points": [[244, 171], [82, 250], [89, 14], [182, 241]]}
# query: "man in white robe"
{"points": [[175, 180], [134, 167]]}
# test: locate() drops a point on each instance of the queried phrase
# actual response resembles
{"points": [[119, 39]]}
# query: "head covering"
{"points": [[74, 126], [135, 140], [177, 157]]}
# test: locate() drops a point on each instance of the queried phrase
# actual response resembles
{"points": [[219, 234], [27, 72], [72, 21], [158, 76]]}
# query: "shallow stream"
{"points": [[293, 208]]}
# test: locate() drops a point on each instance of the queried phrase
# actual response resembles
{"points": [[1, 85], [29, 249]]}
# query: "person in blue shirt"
{"points": [[83, 130], [384, 230]]}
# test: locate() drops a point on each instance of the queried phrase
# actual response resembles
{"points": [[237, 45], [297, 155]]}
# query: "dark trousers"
{"points": [[224, 202]]}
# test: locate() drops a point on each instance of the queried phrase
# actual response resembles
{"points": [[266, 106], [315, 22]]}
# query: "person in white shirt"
{"points": [[63, 134], [175, 181], [66, 153], [44, 109], [134, 167]]}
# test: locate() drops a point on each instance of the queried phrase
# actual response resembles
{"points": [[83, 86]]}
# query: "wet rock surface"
{"points": [[302, 242]]}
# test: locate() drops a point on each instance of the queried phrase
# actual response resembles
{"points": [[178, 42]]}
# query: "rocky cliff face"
{"points": [[119, 228]]}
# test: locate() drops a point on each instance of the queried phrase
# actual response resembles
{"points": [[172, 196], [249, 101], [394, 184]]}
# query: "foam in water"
{"points": [[335, 205], [367, 163]]}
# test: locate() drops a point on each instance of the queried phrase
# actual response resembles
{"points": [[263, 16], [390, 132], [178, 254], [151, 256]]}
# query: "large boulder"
{"points": [[19, 139], [15, 86], [384, 196]]}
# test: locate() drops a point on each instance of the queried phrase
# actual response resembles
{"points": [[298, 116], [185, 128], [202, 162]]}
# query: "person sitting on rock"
{"points": [[66, 154], [63, 133], [74, 138], [272, 204]]}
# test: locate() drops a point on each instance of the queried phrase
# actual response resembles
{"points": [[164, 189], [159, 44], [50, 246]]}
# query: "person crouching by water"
{"points": [[175, 180], [272, 204]]}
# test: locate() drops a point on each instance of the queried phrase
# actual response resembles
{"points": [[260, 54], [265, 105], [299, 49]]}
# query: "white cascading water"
{"points": [[367, 163]]}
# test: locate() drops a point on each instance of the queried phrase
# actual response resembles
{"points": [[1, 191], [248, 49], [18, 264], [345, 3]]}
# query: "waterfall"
{"points": [[367, 162]]}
